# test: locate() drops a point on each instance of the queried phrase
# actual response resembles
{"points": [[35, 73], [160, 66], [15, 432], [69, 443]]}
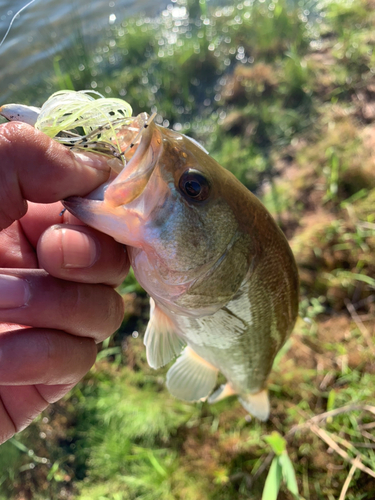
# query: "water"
{"points": [[50, 27], [45, 27]]}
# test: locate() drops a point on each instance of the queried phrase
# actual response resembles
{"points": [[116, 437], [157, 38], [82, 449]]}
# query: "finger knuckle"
{"points": [[50, 350], [118, 310], [73, 301], [89, 310]]}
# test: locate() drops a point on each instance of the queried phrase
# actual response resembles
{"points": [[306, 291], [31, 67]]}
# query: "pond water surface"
{"points": [[46, 26]]}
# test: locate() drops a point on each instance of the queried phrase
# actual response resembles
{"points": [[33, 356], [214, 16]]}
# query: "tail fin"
{"points": [[258, 404]]}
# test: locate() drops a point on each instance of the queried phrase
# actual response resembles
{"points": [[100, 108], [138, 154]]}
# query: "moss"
{"points": [[335, 257], [364, 208]]}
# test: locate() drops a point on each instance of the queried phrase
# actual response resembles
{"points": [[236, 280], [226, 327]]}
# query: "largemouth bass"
{"points": [[220, 273]]}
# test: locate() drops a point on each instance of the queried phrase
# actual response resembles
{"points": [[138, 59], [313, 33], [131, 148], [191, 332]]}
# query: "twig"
{"points": [[331, 413], [351, 446], [349, 477], [365, 301], [367, 435], [364, 445], [332, 444], [322, 434], [326, 380], [367, 225], [264, 466], [361, 327], [344, 442], [370, 425]]}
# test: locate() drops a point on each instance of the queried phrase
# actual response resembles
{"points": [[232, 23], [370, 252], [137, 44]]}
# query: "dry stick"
{"points": [[264, 466], [351, 446], [346, 485], [367, 435], [332, 444], [331, 413], [310, 424], [370, 425], [356, 318], [370, 446]]}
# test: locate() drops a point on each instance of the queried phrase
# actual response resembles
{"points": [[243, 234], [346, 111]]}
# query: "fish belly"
{"points": [[231, 346], [239, 357]]}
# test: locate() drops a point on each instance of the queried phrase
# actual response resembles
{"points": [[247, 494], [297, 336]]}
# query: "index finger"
{"points": [[36, 168]]}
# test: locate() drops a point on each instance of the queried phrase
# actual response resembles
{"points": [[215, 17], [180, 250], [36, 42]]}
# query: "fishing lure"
{"points": [[85, 120]]}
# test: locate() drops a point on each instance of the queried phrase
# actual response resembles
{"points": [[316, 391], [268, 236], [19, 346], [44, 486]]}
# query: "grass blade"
{"points": [[272, 484]]}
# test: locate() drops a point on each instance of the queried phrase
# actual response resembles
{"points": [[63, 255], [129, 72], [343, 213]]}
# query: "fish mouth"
{"points": [[118, 222], [110, 207], [83, 208], [140, 154]]}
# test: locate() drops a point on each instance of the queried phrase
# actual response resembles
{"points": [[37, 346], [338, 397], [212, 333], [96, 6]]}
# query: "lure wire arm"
{"points": [[88, 141], [145, 125]]}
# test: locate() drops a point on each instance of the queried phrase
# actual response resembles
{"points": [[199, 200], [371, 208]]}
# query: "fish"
{"points": [[222, 279], [220, 273]]}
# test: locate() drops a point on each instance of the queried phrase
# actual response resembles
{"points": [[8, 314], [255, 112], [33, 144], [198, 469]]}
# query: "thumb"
{"points": [[36, 168]]}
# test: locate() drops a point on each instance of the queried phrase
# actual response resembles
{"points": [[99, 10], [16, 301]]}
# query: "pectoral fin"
{"points": [[257, 404], [191, 378], [161, 340]]}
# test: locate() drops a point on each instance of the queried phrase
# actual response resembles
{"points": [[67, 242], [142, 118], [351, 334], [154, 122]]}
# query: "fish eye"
{"points": [[194, 185]]}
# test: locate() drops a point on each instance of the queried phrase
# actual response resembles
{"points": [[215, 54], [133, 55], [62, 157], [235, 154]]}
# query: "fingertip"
{"points": [[95, 161], [52, 171], [44, 356], [12, 129], [82, 254], [8, 427], [49, 250], [53, 393], [22, 405], [62, 248]]}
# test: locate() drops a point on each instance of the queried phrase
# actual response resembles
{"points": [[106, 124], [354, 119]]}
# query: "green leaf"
{"points": [[110, 351], [19, 445], [156, 464], [289, 475], [272, 484], [331, 400], [54, 473], [277, 442]]}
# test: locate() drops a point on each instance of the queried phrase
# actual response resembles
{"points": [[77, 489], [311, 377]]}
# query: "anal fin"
{"points": [[191, 378], [161, 340], [223, 392], [257, 404]]}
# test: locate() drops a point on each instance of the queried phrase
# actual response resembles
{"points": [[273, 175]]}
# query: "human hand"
{"points": [[57, 276]]}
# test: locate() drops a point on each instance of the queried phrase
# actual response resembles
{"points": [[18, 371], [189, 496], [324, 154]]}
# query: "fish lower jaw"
{"points": [[81, 208], [122, 225]]}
